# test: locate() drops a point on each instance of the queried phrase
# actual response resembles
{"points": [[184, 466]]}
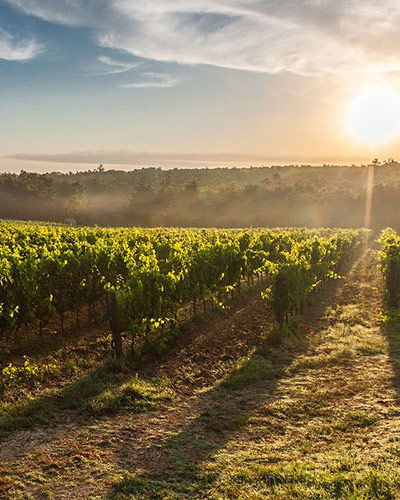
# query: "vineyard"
{"points": [[254, 363], [51, 271], [390, 256]]}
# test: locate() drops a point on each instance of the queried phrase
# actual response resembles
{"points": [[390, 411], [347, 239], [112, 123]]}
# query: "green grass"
{"points": [[136, 394], [108, 388], [354, 419], [283, 481], [249, 372], [87, 381]]}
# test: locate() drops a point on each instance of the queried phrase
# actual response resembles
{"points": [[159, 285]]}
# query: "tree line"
{"points": [[326, 196]]}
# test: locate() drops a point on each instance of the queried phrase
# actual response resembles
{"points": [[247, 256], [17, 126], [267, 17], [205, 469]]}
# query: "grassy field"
{"points": [[225, 412]]}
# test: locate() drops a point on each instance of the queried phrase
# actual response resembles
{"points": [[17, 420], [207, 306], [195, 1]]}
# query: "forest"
{"points": [[325, 196]]}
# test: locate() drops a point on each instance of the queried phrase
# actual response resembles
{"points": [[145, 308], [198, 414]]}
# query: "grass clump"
{"points": [[136, 394], [25, 413], [320, 361], [349, 314], [296, 481], [102, 390], [249, 372], [354, 419], [282, 481]]}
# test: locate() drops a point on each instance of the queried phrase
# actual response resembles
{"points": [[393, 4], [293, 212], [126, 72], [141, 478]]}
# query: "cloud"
{"points": [[171, 159], [300, 36], [17, 50], [132, 157], [153, 80], [116, 66]]}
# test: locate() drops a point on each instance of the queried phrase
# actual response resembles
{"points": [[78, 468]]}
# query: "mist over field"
{"points": [[325, 196]]}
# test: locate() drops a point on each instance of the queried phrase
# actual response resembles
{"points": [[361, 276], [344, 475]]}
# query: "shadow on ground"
{"points": [[174, 464], [392, 331], [82, 397]]}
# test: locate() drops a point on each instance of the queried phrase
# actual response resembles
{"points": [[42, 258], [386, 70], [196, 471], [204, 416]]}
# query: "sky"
{"points": [[191, 82]]}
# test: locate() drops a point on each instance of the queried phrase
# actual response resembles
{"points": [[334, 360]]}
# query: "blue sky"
{"points": [[189, 82]]}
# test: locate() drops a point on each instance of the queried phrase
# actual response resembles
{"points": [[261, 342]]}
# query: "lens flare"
{"points": [[369, 194], [374, 116]]}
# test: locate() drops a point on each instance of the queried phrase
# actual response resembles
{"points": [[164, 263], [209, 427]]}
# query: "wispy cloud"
{"points": [[12, 49], [116, 66], [135, 158], [173, 159], [153, 80], [302, 36]]}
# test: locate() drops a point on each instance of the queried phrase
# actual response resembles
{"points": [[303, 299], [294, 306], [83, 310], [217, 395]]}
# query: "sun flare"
{"points": [[374, 116]]}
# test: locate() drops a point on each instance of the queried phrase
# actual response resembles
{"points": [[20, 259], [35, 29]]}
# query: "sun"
{"points": [[374, 116]]}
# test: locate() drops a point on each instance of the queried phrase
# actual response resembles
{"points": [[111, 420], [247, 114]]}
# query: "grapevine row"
{"points": [[305, 267], [390, 263], [48, 271]]}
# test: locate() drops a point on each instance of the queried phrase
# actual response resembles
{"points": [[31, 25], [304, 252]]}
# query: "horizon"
{"points": [[229, 82], [65, 167]]}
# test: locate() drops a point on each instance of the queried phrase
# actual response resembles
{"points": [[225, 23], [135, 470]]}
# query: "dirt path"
{"points": [[316, 417]]}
